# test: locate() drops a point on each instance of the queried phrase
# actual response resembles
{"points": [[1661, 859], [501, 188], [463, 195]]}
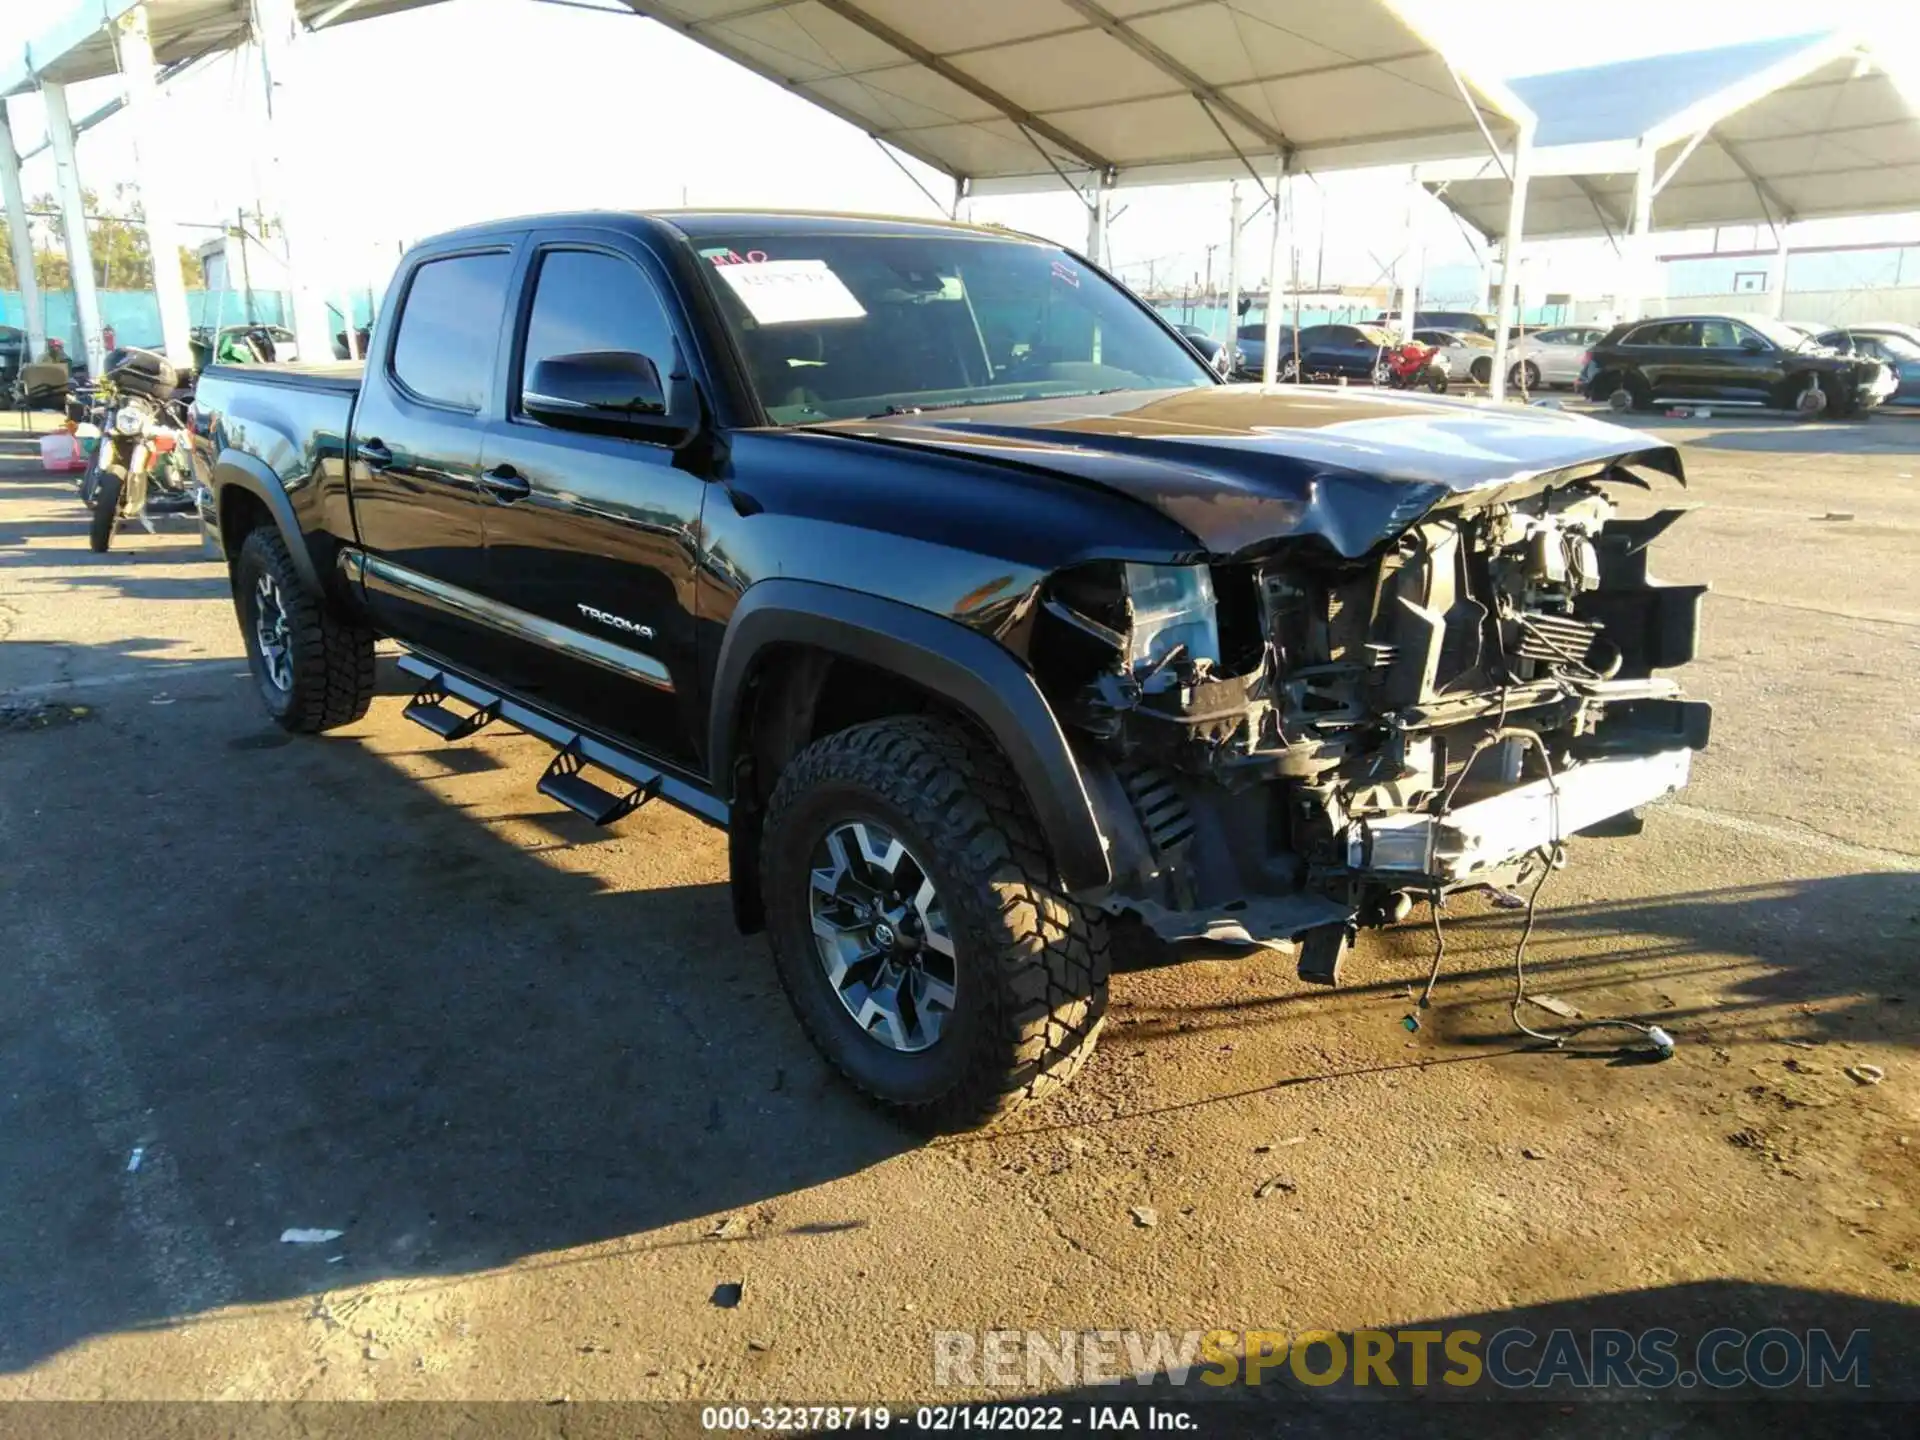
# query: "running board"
{"points": [[561, 781], [429, 708], [564, 782]]}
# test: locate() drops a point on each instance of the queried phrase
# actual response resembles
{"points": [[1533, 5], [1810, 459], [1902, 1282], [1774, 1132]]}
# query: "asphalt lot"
{"points": [[373, 984]]}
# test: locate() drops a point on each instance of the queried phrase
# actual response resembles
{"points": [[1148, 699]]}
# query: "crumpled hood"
{"points": [[1240, 466]]}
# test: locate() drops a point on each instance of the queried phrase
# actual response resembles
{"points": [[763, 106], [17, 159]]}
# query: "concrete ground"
{"points": [[372, 984]]}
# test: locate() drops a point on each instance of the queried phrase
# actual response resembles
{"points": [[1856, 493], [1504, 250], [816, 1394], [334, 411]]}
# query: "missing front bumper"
{"points": [[1490, 833]]}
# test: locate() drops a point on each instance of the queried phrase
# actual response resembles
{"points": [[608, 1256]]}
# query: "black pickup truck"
{"points": [[951, 580]]}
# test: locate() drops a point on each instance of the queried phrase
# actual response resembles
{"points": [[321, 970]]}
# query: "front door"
{"points": [[418, 426], [1738, 362], [592, 538]]}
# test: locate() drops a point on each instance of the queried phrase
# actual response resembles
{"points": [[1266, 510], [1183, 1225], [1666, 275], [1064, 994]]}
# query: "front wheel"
{"points": [[106, 510], [1524, 376], [1382, 373], [1436, 380], [1288, 370], [918, 929], [314, 671]]}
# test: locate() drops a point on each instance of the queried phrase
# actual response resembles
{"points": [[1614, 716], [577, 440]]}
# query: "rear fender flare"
{"points": [[236, 470], [963, 667]]}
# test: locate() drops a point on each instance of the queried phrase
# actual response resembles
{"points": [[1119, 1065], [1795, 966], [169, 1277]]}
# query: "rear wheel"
{"points": [[1481, 370], [1288, 369], [1382, 372], [314, 671], [918, 928]]}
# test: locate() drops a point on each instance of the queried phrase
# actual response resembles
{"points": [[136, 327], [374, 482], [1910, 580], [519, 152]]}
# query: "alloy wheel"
{"points": [[272, 633], [881, 936]]}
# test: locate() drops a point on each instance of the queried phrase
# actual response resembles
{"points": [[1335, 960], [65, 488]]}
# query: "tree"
{"points": [[118, 240]]}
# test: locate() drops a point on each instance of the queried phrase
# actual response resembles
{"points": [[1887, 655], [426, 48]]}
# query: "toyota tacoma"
{"points": [[944, 574]]}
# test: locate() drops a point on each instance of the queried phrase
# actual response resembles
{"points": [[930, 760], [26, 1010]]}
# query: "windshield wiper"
{"points": [[916, 409]]}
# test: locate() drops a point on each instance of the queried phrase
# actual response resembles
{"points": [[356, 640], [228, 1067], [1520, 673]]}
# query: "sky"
{"points": [[480, 108]]}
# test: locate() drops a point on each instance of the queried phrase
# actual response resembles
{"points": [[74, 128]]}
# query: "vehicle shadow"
{"points": [[1821, 958], [1524, 1388], [317, 995]]}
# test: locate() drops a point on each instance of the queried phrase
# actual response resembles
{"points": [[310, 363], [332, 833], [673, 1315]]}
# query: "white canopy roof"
{"points": [[68, 40], [1012, 94], [1769, 132]]}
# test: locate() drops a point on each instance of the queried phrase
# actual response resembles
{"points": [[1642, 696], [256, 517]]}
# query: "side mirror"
{"points": [[1753, 346], [616, 392]]}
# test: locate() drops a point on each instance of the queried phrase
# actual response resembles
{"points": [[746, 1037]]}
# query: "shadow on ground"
{"points": [[1555, 1372], [319, 996]]}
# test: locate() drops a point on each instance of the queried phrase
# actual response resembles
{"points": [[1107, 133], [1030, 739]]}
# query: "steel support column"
{"points": [[138, 69], [1779, 277], [1510, 257], [1233, 278], [21, 234], [1633, 304], [295, 177], [1278, 267], [1412, 260], [73, 216], [1099, 212]]}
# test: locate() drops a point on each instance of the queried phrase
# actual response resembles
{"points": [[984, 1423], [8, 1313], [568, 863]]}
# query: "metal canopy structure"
{"points": [[1010, 95], [1765, 133], [77, 43], [143, 43], [1023, 96]]}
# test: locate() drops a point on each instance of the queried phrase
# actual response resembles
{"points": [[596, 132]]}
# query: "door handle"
{"points": [[505, 482], [373, 454]]}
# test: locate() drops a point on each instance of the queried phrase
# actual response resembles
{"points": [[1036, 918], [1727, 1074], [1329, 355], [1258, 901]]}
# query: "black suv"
{"points": [[1732, 360]]}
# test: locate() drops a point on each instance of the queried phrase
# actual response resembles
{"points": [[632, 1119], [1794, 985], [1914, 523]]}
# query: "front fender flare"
{"points": [[236, 469], [962, 666]]}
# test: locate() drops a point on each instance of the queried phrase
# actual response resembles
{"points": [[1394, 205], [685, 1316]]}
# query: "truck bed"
{"points": [[342, 376]]}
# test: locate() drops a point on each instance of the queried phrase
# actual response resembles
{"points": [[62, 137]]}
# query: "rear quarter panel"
{"points": [[282, 429]]}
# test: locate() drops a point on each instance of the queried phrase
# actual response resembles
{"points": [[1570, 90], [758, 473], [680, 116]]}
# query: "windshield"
{"points": [[838, 327]]}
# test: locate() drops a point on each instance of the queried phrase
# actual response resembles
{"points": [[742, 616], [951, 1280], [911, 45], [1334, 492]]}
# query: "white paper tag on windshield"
{"points": [[785, 292]]}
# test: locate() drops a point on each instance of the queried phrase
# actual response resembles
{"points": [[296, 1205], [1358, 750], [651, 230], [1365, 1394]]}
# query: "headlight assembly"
{"points": [[1172, 606], [129, 420]]}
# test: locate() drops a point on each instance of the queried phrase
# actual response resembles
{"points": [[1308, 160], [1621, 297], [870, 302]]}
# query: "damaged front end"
{"points": [[1290, 743]]}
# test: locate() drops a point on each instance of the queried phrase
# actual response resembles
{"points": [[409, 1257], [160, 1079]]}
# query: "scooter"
{"points": [[144, 464]]}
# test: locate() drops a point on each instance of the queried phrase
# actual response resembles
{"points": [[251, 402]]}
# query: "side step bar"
{"points": [[578, 749], [429, 708]]}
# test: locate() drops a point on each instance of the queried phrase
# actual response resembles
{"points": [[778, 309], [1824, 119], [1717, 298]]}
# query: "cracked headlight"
{"points": [[1172, 606]]}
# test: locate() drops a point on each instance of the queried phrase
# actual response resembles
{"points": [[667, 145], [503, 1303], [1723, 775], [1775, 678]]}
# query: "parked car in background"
{"points": [[13, 349], [1464, 354], [1250, 350], [1474, 322], [1552, 357], [1732, 360], [1211, 350], [1897, 345], [1349, 352]]}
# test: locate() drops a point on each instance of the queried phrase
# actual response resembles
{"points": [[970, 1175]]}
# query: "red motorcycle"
{"points": [[1410, 367]]}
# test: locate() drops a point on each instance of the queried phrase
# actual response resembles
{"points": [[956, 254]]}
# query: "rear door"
{"points": [[418, 427], [1666, 354], [592, 538]]}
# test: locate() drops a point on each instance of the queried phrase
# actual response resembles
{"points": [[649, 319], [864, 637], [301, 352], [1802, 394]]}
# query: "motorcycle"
{"points": [[1412, 366], [143, 466]]}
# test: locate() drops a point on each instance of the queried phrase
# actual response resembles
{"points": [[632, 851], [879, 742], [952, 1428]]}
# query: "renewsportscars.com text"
{"points": [[1515, 1358]]}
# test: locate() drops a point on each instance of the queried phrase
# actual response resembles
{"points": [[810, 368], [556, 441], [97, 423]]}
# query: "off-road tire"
{"points": [[332, 660], [106, 510], [1031, 963]]}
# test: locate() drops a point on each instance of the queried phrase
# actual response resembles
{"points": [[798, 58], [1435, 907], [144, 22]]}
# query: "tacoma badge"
{"points": [[645, 632]]}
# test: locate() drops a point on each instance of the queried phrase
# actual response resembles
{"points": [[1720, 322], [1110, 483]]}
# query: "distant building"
{"points": [[1815, 267]]}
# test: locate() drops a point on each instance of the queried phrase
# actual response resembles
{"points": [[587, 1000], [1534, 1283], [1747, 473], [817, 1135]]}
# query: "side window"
{"points": [[1555, 337], [1313, 335], [1746, 335], [449, 326], [586, 302], [1645, 335], [1720, 335]]}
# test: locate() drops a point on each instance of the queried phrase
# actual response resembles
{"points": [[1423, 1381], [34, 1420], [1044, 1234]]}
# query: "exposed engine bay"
{"points": [[1296, 745]]}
